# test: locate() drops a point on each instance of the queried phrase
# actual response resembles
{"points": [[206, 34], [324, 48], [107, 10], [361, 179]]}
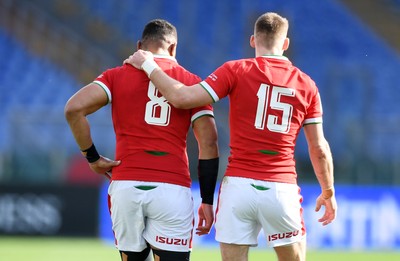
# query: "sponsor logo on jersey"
{"points": [[213, 77], [277, 236], [172, 241]]}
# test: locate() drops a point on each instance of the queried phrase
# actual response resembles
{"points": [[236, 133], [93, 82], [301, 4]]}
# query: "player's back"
{"points": [[151, 134], [270, 100]]}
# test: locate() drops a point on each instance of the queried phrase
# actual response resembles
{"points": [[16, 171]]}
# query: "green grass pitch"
{"points": [[76, 249]]}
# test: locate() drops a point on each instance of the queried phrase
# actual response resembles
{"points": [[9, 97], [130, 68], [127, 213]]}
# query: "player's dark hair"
{"points": [[159, 31]]}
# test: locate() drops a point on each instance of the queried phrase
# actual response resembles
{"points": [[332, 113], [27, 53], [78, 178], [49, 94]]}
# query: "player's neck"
{"points": [[159, 51], [269, 52]]}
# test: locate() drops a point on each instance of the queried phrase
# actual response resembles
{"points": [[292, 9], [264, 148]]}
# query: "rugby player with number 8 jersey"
{"points": [[151, 204]]}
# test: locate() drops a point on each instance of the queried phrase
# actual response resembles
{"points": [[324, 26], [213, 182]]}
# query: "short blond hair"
{"points": [[269, 28]]}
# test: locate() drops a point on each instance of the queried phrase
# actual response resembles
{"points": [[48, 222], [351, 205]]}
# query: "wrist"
{"points": [[207, 174], [91, 154], [149, 65], [328, 193]]}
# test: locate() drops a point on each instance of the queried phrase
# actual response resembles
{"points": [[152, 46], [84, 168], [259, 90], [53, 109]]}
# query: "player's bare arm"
{"points": [[84, 102], [178, 94], [205, 131], [321, 159]]}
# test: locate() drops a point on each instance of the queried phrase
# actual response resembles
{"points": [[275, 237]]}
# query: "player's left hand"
{"points": [[104, 166], [330, 209], [206, 219]]}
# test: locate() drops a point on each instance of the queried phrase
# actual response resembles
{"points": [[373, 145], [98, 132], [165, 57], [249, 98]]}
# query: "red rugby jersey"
{"points": [[150, 133], [270, 100]]}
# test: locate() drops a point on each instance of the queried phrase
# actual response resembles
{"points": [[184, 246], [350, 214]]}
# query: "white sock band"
{"points": [[149, 65]]}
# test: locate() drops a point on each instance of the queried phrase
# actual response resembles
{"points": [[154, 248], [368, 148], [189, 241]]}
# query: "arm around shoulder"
{"points": [[177, 93]]}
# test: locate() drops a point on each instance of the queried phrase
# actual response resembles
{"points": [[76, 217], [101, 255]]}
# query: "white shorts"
{"points": [[246, 205], [159, 213]]}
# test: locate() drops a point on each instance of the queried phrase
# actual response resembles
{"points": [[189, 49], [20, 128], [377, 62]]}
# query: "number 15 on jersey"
{"points": [[266, 103]]}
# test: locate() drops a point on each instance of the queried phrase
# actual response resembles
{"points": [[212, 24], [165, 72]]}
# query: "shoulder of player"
{"points": [[305, 77], [112, 74], [180, 73], [119, 69], [240, 63], [122, 69], [236, 68]]}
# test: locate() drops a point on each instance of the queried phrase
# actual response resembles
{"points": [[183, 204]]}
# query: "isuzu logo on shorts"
{"points": [[277, 236], [172, 241]]}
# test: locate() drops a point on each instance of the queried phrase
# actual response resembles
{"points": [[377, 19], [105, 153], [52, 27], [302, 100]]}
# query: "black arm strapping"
{"points": [[208, 174], [91, 154]]}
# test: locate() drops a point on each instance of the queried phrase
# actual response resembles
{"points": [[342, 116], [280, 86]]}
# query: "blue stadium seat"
{"points": [[325, 38], [355, 70], [28, 83]]}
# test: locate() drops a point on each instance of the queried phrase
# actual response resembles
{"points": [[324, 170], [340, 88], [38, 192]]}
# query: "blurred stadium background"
{"points": [[51, 48]]}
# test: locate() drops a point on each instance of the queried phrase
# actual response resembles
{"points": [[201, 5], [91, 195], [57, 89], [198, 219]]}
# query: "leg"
{"points": [[292, 252], [169, 223], [232, 252], [128, 228], [136, 256], [162, 255]]}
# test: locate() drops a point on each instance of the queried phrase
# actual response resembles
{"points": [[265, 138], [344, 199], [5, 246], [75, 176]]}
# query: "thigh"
{"points": [[292, 252], [281, 215], [169, 216], [236, 217], [233, 252], [128, 220]]}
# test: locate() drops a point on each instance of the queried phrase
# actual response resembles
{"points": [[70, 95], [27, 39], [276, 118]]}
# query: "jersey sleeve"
{"points": [[314, 112], [218, 84], [202, 111], [104, 80]]}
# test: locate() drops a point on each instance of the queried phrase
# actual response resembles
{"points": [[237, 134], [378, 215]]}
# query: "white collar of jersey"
{"points": [[279, 57], [164, 56]]}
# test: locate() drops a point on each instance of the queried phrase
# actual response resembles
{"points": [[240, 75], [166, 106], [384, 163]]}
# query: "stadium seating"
{"points": [[354, 68], [33, 94]]}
